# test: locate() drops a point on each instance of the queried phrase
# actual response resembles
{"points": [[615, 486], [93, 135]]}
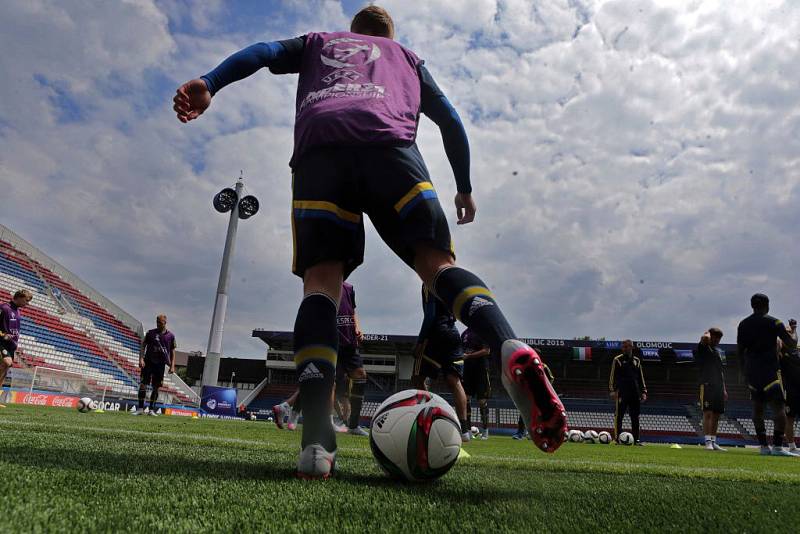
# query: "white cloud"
{"points": [[634, 163]]}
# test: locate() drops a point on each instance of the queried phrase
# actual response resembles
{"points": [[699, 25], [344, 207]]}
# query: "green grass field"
{"points": [[71, 472]]}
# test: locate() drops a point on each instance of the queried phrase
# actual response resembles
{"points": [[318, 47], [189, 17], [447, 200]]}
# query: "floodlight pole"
{"points": [[214, 350]]}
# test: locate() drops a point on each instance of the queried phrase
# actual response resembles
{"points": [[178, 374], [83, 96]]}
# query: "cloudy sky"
{"points": [[636, 164]]}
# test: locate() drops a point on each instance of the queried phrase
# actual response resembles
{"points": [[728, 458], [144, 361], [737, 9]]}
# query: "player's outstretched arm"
{"points": [[435, 105], [281, 57]]}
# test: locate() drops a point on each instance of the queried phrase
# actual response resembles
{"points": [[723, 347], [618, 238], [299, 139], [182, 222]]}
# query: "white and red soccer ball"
{"points": [[415, 435]]}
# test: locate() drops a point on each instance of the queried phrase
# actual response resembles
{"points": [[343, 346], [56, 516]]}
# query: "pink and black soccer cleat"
{"points": [[525, 380]]}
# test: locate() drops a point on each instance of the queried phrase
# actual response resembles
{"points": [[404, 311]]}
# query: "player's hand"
{"points": [[141, 363], [359, 336], [706, 338], [644, 397], [465, 208], [191, 100], [614, 395], [172, 371]]}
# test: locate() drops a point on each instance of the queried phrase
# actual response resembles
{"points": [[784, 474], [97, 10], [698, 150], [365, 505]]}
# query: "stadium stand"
{"points": [[66, 329]]}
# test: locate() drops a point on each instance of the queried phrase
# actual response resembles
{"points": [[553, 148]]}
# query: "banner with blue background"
{"points": [[218, 401]]}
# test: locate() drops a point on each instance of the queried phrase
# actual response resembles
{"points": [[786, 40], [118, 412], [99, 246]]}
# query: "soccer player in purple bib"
{"points": [[349, 360], [359, 99], [157, 353], [9, 330]]}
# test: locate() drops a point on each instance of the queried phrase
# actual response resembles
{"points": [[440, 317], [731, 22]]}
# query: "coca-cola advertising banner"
{"points": [[43, 399]]}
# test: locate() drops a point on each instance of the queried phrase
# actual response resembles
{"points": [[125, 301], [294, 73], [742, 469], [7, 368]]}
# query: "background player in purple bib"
{"points": [[359, 99], [9, 330], [156, 354]]}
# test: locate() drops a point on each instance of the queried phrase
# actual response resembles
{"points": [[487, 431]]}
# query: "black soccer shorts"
{"points": [[153, 374], [442, 353], [332, 189], [712, 398], [764, 383], [476, 380]]}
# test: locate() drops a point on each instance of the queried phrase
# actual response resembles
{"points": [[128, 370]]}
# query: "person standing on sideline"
{"points": [[155, 355], [790, 374], [756, 340], [712, 385], [628, 389], [9, 331]]}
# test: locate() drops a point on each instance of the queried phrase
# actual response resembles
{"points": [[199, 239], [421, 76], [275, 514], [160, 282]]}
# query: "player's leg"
{"points": [[158, 379], [520, 433], [623, 407], [779, 422], [358, 384], [281, 411], [5, 365], [460, 401], [316, 342], [406, 212], [483, 407], [758, 423], [328, 236], [522, 370], [708, 417], [146, 377], [634, 407]]}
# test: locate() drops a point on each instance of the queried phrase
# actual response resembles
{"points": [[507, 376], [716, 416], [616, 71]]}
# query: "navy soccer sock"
{"points": [[315, 348], [357, 386], [473, 304], [141, 396], [153, 398]]}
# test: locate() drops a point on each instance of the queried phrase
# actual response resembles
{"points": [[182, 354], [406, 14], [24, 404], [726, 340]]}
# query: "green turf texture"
{"points": [[63, 471]]}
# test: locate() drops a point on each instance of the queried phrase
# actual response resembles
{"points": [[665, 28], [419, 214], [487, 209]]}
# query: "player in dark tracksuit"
{"points": [[756, 340], [628, 389], [790, 374], [439, 350], [712, 385]]}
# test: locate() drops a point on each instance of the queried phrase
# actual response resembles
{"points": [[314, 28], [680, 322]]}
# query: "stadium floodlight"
{"points": [[248, 207], [224, 201]]}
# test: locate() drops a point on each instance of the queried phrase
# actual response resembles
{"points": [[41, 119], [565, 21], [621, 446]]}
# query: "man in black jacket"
{"points": [[627, 388]]}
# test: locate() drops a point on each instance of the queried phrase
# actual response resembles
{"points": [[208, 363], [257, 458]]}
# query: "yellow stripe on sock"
{"points": [[468, 293], [315, 352]]}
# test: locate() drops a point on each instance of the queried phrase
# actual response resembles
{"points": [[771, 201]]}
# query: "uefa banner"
{"points": [[218, 401]]}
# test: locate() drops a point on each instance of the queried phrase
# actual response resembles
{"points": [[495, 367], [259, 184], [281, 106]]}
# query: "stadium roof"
{"points": [[376, 343]]}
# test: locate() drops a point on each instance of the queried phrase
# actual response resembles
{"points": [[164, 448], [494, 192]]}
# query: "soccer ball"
{"points": [[590, 436], [626, 438], [604, 437], [85, 404], [474, 430], [575, 436], [415, 435]]}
